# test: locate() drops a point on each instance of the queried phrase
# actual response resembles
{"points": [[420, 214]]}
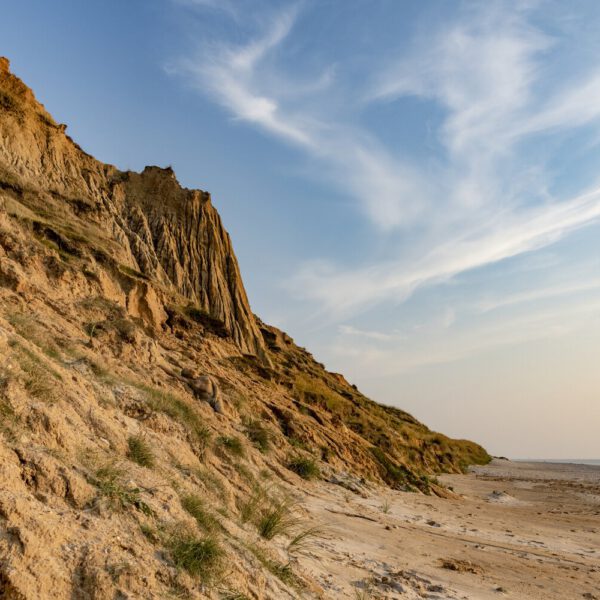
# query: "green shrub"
{"points": [[307, 468], [140, 451], [108, 480], [259, 435], [277, 519], [194, 505], [232, 445], [201, 558]]}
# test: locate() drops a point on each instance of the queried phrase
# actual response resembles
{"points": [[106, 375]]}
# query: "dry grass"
{"points": [[194, 505], [29, 328], [40, 379], [200, 557], [118, 496], [307, 468], [282, 571], [140, 451], [180, 410], [277, 519]]}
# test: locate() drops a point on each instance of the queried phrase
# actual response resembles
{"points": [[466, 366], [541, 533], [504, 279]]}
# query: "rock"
{"points": [[205, 388], [161, 232], [189, 373]]}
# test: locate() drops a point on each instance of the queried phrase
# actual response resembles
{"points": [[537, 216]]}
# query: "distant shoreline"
{"points": [[594, 462]]}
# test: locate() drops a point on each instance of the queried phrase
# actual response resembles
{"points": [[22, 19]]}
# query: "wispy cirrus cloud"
{"points": [[535, 295], [482, 199], [409, 352], [505, 236], [242, 79]]}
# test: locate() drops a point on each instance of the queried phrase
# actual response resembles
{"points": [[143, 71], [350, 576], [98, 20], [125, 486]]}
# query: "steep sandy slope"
{"points": [[122, 475]]}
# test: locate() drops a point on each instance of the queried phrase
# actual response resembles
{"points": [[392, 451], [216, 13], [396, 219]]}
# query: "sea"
{"points": [[568, 461]]}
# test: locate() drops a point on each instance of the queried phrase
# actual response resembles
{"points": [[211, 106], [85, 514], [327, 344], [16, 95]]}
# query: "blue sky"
{"points": [[413, 188]]}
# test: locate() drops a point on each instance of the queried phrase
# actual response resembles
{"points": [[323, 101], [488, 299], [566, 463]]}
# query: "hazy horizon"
{"points": [[412, 189]]}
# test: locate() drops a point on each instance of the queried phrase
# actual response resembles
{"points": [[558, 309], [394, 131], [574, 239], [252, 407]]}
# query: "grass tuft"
{"points": [[249, 510], [194, 505], [179, 410], [282, 571], [259, 435], [305, 538], [200, 557], [140, 451], [307, 468], [108, 480], [277, 519], [232, 445]]}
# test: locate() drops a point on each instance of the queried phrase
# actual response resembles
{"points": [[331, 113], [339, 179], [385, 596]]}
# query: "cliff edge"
{"points": [[156, 437]]}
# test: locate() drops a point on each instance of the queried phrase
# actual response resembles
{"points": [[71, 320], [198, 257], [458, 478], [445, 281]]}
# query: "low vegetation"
{"points": [[39, 377], [259, 435], [283, 571], [180, 410], [307, 468], [231, 445], [194, 505], [200, 557], [140, 451], [119, 496], [305, 538], [277, 519]]}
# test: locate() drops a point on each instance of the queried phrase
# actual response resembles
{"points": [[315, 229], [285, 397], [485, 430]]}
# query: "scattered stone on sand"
{"points": [[462, 566]]}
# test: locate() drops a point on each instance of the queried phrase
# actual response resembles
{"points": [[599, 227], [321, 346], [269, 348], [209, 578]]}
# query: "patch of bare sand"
{"points": [[515, 530]]}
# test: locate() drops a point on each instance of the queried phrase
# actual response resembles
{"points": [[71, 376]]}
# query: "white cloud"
{"points": [[571, 288], [373, 335], [415, 352], [345, 292], [391, 192], [485, 200]]}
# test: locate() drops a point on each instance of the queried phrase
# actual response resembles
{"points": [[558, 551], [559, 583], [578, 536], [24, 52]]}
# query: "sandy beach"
{"points": [[514, 530]]}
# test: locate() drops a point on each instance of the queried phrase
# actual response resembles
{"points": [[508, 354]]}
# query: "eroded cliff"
{"points": [[117, 290]]}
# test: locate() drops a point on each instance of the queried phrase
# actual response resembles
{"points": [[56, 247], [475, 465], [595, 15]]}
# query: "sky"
{"points": [[412, 187]]}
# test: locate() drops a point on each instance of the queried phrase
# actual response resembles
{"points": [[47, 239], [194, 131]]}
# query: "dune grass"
{"points": [[231, 445], [277, 519], [306, 468], [200, 557], [140, 451], [195, 506], [259, 435]]}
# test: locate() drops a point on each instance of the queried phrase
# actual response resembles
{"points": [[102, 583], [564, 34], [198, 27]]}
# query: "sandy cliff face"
{"points": [[121, 303], [171, 235]]}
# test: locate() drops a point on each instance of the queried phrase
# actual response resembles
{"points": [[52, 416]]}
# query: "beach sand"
{"points": [[514, 530]]}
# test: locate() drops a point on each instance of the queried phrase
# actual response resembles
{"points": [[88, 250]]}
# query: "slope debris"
{"points": [[155, 435]]}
